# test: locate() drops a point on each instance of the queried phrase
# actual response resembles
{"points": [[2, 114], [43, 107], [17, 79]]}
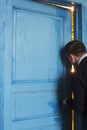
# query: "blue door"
{"points": [[33, 35]]}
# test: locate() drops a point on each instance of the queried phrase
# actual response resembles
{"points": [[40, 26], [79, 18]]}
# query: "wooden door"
{"points": [[33, 35]]}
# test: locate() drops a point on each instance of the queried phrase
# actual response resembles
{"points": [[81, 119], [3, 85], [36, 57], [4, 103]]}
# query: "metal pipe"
{"points": [[73, 37], [56, 5]]}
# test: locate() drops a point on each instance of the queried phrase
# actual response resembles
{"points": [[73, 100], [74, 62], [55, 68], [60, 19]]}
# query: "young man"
{"points": [[77, 55]]}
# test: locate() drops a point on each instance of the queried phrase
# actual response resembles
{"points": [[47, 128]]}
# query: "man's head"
{"points": [[74, 50]]}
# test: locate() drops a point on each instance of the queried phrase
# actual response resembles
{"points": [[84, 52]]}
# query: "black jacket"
{"points": [[79, 87]]}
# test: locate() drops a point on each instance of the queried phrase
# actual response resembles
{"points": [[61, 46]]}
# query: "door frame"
{"points": [[76, 14]]}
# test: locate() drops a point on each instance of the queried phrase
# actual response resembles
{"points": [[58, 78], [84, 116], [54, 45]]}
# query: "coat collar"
{"points": [[82, 57]]}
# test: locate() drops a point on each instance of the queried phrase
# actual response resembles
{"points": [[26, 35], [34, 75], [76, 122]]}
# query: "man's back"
{"points": [[83, 76]]}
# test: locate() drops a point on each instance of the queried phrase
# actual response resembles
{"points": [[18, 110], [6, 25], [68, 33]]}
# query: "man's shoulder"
{"points": [[83, 62], [82, 68]]}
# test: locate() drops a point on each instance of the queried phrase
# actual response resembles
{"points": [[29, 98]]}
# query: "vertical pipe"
{"points": [[73, 37], [73, 15]]}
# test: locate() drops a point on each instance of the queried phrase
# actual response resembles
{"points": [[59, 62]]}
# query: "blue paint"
{"points": [[32, 35]]}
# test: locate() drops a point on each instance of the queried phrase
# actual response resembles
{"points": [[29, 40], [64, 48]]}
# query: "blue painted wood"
{"points": [[1, 70], [33, 35]]}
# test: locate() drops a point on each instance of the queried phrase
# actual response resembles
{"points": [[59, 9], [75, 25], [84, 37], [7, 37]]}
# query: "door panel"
{"points": [[32, 56], [36, 47]]}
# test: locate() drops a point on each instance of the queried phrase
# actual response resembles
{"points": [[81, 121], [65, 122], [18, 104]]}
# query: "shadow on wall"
{"points": [[63, 90]]}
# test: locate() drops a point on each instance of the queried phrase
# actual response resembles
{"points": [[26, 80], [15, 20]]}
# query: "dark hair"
{"points": [[75, 47]]}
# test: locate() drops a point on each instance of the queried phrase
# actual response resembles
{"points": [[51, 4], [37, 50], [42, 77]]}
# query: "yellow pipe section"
{"points": [[73, 37]]}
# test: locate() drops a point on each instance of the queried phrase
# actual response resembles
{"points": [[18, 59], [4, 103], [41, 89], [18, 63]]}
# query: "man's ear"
{"points": [[72, 58]]}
